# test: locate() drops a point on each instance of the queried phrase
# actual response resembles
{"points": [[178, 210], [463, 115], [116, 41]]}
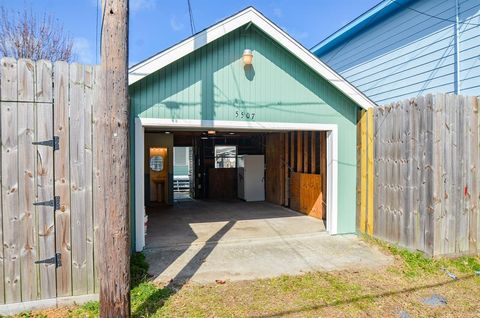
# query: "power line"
{"points": [[96, 34], [101, 28], [190, 13], [430, 15], [406, 7]]}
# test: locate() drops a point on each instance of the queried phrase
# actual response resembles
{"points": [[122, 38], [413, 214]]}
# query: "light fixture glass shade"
{"points": [[247, 57]]}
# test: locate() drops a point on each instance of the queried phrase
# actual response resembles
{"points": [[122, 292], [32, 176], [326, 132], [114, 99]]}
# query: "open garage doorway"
{"points": [[289, 169], [244, 186], [284, 168]]}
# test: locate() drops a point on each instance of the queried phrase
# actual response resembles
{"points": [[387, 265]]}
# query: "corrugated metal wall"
{"points": [[213, 84], [410, 53]]}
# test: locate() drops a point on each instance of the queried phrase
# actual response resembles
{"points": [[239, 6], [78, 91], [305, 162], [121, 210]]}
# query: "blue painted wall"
{"points": [[406, 53]]}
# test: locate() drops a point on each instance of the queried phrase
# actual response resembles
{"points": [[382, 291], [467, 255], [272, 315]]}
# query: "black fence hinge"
{"points": [[55, 203], [57, 260], [50, 143]]}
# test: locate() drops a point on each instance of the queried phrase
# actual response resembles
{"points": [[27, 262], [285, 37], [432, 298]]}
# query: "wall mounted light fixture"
{"points": [[247, 57]]}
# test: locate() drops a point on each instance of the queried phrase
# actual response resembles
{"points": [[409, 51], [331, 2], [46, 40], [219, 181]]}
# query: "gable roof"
{"points": [[378, 13], [249, 15]]}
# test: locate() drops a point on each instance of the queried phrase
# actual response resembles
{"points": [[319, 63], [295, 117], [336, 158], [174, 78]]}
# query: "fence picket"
{"points": [[77, 179], [26, 185], [89, 99], [62, 178], [10, 196], [44, 182]]}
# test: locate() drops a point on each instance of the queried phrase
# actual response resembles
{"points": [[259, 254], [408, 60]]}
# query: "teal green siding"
{"points": [[212, 84]]}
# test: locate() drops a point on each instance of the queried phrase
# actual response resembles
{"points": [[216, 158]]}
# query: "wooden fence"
{"points": [[48, 152], [426, 185]]}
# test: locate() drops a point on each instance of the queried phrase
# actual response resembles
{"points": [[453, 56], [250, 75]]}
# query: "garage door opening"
{"points": [[236, 186], [291, 170], [287, 169]]}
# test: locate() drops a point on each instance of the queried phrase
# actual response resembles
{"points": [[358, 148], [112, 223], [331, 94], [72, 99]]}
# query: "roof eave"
{"points": [[249, 15], [366, 20]]}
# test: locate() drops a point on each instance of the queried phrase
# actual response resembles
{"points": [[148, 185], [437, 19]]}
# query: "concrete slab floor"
{"points": [[202, 241]]}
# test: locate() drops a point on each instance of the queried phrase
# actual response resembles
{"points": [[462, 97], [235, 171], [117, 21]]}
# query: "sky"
{"points": [[158, 24]]}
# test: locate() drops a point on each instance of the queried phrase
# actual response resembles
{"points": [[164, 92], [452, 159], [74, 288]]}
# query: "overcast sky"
{"points": [[158, 24]]}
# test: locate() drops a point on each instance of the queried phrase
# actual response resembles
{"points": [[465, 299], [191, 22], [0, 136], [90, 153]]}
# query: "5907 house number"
{"points": [[246, 115]]}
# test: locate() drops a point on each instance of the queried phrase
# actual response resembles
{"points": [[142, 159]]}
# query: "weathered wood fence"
{"points": [[426, 185], [47, 152]]}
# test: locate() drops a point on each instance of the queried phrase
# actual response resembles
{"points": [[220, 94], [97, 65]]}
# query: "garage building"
{"points": [[242, 106]]}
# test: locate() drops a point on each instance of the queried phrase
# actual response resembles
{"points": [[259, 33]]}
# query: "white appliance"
{"points": [[250, 177]]}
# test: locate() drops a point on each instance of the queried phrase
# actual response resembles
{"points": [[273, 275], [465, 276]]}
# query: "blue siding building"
{"points": [[405, 48]]}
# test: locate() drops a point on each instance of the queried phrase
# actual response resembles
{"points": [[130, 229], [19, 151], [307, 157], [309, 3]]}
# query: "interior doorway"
{"points": [[182, 173]]}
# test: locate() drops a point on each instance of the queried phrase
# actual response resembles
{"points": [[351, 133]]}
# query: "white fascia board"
{"points": [[187, 46], [248, 15]]}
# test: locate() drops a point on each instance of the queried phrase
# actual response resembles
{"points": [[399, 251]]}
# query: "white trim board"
{"points": [[249, 15], [142, 123]]}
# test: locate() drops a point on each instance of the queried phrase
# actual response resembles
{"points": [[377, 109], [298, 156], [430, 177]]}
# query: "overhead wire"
{"points": [[190, 13], [430, 15]]}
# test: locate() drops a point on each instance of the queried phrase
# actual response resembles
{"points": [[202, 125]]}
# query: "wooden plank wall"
{"points": [[306, 194], [291, 154], [426, 174], [37, 101], [275, 181]]}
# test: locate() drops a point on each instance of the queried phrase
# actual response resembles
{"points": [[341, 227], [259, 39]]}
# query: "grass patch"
{"points": [[146, 298], [138, 269], [379, 292], [418, 264]]}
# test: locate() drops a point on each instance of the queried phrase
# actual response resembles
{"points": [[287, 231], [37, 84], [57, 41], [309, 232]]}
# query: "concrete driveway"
{"points": [[204, 241]]}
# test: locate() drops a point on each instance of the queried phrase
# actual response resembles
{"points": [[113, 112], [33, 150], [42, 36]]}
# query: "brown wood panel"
{"points": [[313, 153], [306, 149], [222, 183], [323, 165], [299, 152], [306, 194], [275, 163], [292, 151]]}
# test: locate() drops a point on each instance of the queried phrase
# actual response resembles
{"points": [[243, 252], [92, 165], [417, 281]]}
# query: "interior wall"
{"points": [[158, 140], [296, 171]]}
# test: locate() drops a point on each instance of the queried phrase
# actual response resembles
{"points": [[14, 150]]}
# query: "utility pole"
{"points": [[113, 172]]}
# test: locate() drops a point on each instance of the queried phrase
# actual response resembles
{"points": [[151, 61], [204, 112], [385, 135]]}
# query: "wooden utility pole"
{"points": [[112, 129]]}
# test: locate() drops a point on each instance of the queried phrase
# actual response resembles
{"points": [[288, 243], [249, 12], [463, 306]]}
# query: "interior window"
{"points": [[156, 163], [225, 156]]}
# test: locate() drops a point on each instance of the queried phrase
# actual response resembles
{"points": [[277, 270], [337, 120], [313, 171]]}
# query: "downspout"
{"points": [[457, 51]]}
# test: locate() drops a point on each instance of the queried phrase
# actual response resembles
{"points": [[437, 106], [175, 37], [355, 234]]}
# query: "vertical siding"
{"points": [[409, 53], [212, 84]]}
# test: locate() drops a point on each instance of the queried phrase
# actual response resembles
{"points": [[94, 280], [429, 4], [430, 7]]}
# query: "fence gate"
{"points": [[27, 194], [47, 223]]}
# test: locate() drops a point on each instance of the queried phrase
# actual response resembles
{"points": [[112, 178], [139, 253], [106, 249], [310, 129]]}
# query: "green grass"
{"points": [[418, 264], [326, 294], [146, 298]]}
